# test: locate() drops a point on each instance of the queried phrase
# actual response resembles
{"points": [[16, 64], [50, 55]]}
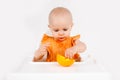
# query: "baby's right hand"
{"points": [[42, 50]]}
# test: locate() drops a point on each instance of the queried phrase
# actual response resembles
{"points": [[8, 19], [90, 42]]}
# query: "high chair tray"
{"points": [[53, 71]]}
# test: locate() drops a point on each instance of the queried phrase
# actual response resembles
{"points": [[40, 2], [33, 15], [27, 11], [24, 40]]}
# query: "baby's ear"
{"points": [[71, 25], [49, 26]]}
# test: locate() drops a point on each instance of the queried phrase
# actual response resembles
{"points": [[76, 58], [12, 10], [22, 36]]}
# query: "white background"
{"points": [[22, 23]]}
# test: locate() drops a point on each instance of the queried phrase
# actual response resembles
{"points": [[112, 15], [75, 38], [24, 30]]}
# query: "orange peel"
{"points": [[63, 61]]}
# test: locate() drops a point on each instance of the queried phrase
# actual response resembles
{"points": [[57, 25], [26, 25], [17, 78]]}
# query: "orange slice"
{"points": [[64, 61]]}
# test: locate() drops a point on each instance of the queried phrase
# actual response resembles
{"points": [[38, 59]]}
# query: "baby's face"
{"points": [[60, 27]]}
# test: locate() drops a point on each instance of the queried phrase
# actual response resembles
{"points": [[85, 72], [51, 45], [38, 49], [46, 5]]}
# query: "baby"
{"points": [[60, 25]]}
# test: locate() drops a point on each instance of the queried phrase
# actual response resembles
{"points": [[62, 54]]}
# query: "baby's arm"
{"points": [[79, 47], [40, 52]]}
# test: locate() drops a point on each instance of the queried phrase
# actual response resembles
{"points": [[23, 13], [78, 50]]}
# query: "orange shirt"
{"points": [[57, 47]]}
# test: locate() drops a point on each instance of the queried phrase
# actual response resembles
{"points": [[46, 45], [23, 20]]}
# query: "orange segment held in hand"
{"points": [[64, 61]]}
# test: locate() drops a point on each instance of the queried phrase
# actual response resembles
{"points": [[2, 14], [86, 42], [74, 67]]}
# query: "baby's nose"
{"points": [[61, 32]]}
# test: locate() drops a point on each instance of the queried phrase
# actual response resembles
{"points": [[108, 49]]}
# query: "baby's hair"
{"points": [[60, 11]]}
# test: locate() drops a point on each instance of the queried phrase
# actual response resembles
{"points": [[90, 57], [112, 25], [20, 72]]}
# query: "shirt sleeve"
{"points": [[76, 56], [45, 39], [75, 38]]}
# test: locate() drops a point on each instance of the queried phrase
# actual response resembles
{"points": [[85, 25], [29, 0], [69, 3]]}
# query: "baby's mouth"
{"points": [[61, 38]]}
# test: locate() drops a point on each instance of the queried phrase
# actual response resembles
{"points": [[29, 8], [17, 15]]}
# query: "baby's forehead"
{"points": [[60, 26]]}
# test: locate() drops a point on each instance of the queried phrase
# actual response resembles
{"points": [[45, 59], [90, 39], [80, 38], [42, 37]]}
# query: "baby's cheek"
{"points": [[55, 35]]}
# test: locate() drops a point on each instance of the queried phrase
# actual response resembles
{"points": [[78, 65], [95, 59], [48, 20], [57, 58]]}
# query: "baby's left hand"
{"points": [[69, 53]]}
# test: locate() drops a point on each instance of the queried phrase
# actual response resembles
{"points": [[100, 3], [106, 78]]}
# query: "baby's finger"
{"points": [[70, 55], [66, 55]]}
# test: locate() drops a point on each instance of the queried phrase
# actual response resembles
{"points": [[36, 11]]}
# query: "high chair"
{"points": [[88, 69]]}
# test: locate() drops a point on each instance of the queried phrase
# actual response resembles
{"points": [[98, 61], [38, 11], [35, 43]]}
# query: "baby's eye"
{"points": [[56, 30], [65, 29]]}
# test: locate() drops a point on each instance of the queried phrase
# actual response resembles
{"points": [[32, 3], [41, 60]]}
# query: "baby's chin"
{"points": [[60, 39]]}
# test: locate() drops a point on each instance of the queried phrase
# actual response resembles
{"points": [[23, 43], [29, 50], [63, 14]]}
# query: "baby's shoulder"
{"points": [[46, 38], [75, 37]]}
